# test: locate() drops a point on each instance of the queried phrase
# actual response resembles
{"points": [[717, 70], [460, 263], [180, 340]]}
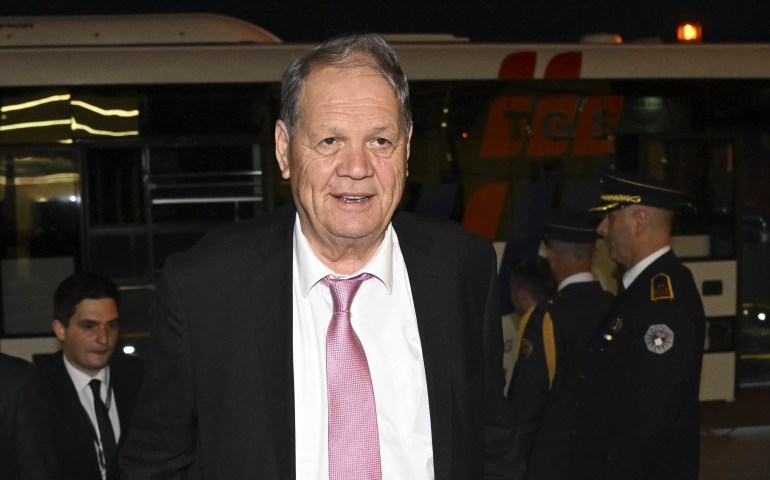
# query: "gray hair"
{"points": [[368, 50]]}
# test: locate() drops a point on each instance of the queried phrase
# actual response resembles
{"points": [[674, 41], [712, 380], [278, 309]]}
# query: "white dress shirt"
{"points": [[633, 272], [579, 277], [383, 316], [81, 381]]}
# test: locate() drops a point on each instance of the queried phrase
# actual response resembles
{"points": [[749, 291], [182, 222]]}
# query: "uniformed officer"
{"points": [[545, 379], [638, 416]]}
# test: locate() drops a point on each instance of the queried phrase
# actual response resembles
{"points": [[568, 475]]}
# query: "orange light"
{"points": [[689, 32]]}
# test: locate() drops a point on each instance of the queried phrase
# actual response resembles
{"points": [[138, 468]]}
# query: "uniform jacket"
{"points": [[218, 401], [74, 442], [638, 417], [26, 429], [544, 415]]}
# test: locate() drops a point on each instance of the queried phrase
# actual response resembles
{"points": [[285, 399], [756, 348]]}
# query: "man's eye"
{"points": [[381, 142], [328, 141]]}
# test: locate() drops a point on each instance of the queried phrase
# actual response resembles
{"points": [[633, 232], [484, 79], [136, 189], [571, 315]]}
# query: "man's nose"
{"points": [[601, 229], [102, 334], [355, 162]]}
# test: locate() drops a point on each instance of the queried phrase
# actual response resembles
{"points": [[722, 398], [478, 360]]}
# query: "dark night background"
{"points": [[726, 21]]}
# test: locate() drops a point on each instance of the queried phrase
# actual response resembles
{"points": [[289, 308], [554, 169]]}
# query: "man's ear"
{"points": [[641, 221], [282, 148], [408, 146], [58, 329]]}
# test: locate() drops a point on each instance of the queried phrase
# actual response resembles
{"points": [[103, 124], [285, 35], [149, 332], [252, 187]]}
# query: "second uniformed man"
{"points": [[545, 378]]}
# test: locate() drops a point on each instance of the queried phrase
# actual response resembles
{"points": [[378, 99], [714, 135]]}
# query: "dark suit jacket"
{"points": [[218, 398], [74, 441], [544, 415], [638, 415], [26, 428]]}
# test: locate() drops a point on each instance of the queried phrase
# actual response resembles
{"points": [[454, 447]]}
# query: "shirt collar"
{"points": [[633, 272], [311, 270], [576, 278], [81, 379]]}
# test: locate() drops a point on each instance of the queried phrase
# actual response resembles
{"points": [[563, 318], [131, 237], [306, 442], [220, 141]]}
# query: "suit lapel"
{"points": [[432, 308], [269, 296], [81, 433]]}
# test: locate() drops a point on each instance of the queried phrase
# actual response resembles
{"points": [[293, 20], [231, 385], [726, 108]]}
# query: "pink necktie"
{"points": [[354, 445]]}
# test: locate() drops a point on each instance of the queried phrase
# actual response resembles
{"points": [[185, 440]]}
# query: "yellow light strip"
{"points": [[107, 133], [35, 103], [45, 123], [106, 113], [43, 179]]}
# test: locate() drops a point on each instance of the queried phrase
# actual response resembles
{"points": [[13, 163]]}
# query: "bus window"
{"points": [[41, 243]]}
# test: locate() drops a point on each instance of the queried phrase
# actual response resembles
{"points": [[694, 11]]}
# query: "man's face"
{"points": [[89, 339], [347, 158], [617, 230]]}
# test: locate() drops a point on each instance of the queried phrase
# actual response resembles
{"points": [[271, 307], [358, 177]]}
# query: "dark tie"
{"points": [[106, 434], [354, 445]]}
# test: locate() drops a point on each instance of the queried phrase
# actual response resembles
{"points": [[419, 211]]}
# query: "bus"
{"points": [[124, 139]]}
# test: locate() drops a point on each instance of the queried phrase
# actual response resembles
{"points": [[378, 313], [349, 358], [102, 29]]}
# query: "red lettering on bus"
{"points": [[506, 128], [564, 65], [597, 122], [553, 126], [519, 65]]}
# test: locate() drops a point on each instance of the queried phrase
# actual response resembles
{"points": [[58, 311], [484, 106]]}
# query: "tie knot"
{"points": [[343, 290], [95, 385]]}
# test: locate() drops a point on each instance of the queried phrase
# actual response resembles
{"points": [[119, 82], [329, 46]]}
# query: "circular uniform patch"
{"points": [[659, 338]]}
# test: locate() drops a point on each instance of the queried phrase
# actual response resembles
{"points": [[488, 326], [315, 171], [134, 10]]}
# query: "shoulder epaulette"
{"points": [[660, 288], [549, 341]]}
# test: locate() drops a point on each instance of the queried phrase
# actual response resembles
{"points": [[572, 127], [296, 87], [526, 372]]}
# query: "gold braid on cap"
{"points": [[618, 198], [615, 200]]}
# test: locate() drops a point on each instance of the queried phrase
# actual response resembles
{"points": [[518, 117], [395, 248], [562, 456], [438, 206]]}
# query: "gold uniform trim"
{"points": [[620, 198], [615, 200]]}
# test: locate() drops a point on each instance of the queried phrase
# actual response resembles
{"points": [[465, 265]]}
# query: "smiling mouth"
{"points": [[352, 198]]}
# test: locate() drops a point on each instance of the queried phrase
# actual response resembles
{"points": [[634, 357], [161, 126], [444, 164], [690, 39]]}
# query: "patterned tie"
{"points": [[106, 433], [354, 445]]}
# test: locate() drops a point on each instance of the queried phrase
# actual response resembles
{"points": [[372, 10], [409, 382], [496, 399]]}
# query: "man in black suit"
{"points": [[89, 431], [239, 374], [638, 415], [26, 428], [545, 383]]}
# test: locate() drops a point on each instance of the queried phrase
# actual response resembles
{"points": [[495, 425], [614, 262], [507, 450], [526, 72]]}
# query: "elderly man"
{"points": [[332, 339], [638, 415]]}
